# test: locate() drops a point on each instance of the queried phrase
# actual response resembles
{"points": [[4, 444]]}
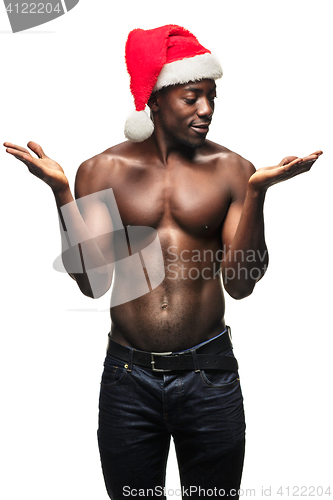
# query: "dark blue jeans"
{"points": [[140, 409]]}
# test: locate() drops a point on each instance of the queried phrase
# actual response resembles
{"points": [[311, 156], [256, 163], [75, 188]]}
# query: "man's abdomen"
{"points": [[185, 309]]}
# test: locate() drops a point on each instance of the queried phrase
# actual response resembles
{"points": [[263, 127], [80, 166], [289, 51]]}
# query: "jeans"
{"points": [[139, 410]]}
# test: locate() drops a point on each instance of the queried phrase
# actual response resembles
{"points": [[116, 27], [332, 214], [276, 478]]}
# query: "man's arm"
{"points": [[86, 234], [246, 257], [96, 246]]}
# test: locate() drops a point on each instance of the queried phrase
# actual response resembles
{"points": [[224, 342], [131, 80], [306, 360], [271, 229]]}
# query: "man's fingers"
{"points": [[312, 157], [23, 156], [290, 163], [16, 152], [318, 153], [292, 160], [36, 148], [14, 146], [287, 160]]}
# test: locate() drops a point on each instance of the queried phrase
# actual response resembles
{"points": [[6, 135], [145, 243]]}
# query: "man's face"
{"points": [[185, 111]]}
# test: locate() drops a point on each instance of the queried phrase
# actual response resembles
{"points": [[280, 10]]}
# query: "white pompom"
{"points": [[138, 126]]}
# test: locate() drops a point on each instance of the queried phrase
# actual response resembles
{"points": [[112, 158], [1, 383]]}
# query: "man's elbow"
{"points": [[239, 292], [239, 289], [94, 293], [92, 287]]}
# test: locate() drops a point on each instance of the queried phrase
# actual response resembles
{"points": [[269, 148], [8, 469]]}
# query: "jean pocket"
{"points": [[221, 379], [114, 372]]}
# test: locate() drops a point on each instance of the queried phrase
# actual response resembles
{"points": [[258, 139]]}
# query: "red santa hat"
{"points": [[157, 58]]}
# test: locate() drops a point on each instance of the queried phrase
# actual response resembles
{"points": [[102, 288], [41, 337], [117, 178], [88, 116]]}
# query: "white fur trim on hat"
{"points": [[138, 126], [190, 69]]}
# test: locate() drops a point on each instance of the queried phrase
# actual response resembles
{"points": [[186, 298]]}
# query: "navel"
{"points": [[164, 305]]}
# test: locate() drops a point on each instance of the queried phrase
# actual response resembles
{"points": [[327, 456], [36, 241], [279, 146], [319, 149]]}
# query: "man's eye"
{"points": [[190, 101]]}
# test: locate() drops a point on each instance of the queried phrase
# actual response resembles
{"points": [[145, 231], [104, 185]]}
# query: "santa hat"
{"points": [[157, 58]]}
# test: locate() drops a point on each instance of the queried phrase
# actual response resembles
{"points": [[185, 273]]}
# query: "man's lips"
{"points": [[201, 128]]}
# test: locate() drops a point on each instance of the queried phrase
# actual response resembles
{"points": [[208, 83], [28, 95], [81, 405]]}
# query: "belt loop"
{"points": [[130, 360], [229, 333], [107, 347], [195, 360]]}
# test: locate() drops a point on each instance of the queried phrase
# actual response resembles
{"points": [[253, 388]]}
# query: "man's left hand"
{"points": [[289, 167]]}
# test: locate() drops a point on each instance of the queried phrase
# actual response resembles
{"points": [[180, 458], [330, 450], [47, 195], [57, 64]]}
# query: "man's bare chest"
{"points": [[194, 201]]}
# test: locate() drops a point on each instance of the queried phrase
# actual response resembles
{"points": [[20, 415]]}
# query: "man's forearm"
{"points": [[246, 260], [81, 256]]}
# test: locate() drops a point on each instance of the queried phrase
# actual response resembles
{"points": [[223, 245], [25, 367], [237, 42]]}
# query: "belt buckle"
{"points": [[152, 354]]}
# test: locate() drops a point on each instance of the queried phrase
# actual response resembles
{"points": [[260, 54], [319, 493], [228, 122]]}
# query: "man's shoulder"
{"points": [[107, 158], [96, 172], [229, 160]]}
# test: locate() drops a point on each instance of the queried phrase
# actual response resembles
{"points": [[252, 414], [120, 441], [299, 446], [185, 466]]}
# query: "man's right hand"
{"points": [[42, 167]]}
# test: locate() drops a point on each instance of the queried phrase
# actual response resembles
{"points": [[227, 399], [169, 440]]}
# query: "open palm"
{"points": [[42, 167], [289, 167]]}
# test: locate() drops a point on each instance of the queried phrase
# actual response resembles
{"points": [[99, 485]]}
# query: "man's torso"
{"points": [[185, 201]]}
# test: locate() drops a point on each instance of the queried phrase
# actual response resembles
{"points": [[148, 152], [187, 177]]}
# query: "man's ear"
{"points": [[153, 102]]}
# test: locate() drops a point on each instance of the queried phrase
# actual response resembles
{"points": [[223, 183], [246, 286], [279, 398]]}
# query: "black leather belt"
{"points": [[205, 357]]}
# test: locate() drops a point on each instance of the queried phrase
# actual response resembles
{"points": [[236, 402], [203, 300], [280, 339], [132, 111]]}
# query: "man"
{"points": [[170, 368]]}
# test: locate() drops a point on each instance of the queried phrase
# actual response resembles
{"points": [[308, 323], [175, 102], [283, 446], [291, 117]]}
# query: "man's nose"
{"points": [[205, 107]]}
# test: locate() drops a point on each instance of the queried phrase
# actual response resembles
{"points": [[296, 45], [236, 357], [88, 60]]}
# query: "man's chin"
{"points": [[191, 143]]}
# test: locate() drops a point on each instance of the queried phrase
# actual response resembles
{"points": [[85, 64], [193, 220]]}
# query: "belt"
{"points": [[204, 357]]}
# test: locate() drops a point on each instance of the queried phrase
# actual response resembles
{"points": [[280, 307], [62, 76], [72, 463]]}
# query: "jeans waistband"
{"points": [[204, 355], [204, 342]]}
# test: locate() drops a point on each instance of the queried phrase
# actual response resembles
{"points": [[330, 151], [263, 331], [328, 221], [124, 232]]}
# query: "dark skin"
{"points": [[198, 195]]}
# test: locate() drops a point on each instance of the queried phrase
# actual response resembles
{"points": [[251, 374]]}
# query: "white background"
{"points": [[64, 85]]}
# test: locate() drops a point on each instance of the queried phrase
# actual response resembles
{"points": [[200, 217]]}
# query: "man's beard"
{"points": [[182, 141], [187, 143]]}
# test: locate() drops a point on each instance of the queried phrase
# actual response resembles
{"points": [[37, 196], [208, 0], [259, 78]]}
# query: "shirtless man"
{"points": [[199, 197]]}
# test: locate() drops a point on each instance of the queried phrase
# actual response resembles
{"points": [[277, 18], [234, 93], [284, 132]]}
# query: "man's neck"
{"points": [[165, 146]]}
